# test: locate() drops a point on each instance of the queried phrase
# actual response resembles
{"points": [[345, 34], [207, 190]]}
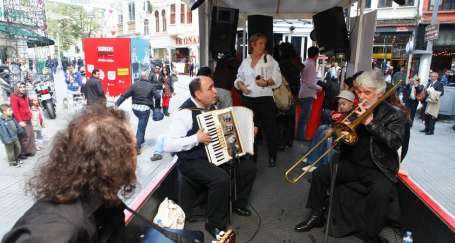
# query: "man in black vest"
{"points": [[187, 140]]}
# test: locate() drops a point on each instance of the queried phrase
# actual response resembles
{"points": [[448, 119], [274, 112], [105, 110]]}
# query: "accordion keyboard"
{"points": [[217, 148]]}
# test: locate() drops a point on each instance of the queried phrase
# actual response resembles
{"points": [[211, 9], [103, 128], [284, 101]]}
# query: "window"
{"points": [[120, 19], [368, 4], [163, 15], [172, 13], [189, 16], [408, 3], [182, 13], [146, 27], [157, 21], [131, 11], [148, 7], [385, 3], [444, 4]]}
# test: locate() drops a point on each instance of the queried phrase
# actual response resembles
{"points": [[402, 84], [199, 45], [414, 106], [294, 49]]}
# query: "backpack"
{"points": [[283, 96]]}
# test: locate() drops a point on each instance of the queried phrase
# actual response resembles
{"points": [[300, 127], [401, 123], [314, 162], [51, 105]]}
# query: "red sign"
{"points": [[112, 57]]}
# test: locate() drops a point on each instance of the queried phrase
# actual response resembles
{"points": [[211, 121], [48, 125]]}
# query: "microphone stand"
{"points": [[233, 176], [334, 171]]}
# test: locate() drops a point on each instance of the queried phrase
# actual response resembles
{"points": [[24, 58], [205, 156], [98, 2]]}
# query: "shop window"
{"points": [[189, 16], [385, 3], [131, 11], [163, 16], [146, 27], [443, 5], [172, 13], [157, 21], [182, 13]]}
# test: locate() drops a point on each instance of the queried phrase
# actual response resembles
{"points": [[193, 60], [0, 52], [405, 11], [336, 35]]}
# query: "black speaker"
{"points": [[223, 30], [330, 30], [262, 24]]}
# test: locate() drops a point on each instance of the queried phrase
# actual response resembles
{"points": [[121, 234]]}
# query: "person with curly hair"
{"points": [[91, 162]]}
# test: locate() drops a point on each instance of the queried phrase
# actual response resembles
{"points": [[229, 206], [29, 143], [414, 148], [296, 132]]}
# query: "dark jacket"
{"points": [[141, 92], [408, 89], [387, 131], [93, 91], [9, 130], [438, 86], [157, 82], [86, 220]]}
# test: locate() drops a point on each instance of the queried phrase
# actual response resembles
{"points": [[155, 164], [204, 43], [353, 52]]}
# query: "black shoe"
{"points": [[14, 164], [314, 221], [213, 231], [424, 130], [429, 133], [242, 211], [272, 162], [21, 157], [156, 157]]}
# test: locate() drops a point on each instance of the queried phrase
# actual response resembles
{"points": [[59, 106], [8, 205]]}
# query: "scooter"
{"points": [[46, 96]]}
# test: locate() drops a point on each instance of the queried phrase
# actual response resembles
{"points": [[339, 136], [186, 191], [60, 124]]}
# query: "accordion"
{"points": [[231, 131]]}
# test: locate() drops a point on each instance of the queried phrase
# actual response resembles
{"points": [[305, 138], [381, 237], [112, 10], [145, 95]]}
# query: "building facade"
{"points": [[170, 25]]}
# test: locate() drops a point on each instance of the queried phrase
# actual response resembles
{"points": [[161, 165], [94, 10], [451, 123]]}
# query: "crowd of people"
{"points": [[94, 158]]}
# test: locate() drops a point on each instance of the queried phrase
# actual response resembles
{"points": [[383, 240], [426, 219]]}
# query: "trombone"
{"points": [[344, 131]]}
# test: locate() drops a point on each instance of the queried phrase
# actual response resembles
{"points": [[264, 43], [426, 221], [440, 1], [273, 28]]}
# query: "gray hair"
{"points": [[144, 75], [371, 79]]}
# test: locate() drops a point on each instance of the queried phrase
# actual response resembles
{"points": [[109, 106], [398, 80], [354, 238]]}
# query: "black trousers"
{"points": [[412, 105], [217, 182], [286, 125], [430, 121], [379, 187], [264, 110]]}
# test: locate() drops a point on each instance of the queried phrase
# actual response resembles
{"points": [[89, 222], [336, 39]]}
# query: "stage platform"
{"points": [[427, 194]]}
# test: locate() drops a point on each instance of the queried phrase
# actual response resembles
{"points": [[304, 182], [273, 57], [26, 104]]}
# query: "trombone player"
{"points": [[373, 162]]}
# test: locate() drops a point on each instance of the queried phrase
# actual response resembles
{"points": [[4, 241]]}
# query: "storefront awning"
{"points": [[33, 39]]}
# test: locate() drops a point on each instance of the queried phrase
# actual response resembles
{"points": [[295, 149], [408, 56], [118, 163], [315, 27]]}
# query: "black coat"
{"points": [[141, 92], [387, 135], [93, 91], [86, 220], [157, 82]]}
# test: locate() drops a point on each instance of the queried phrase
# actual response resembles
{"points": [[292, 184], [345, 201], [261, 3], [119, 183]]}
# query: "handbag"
{"points": [[157, 234], [157, 115], [170, 215], [283, 96]]}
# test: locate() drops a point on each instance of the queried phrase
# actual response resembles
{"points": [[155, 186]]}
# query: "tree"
{"points": [[70, 23]]}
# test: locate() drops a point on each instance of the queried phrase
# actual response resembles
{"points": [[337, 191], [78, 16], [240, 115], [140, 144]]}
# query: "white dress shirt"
{"points": [[175, 139], [267, 70]]}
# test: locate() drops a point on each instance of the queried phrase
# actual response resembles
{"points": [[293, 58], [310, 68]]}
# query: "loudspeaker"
{"points": [[330, 30], [223, 30], [262, 24]]}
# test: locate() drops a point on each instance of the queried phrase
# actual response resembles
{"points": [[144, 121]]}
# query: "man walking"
{"points": [[156, 78], [142, 94], [93, 90]]}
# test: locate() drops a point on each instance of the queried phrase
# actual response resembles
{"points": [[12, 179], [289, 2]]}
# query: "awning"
{"points": [[33, 39]]}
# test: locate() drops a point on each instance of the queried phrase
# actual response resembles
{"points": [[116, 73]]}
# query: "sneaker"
{"points": [[156, 157], [14, 164]]}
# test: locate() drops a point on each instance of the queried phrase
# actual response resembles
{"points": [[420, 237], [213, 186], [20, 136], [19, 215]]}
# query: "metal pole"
{"points": [[359, 35], [425, 60]]}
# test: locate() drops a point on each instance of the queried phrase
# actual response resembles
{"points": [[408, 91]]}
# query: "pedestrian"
{"points": [[92, 162], [80, 63], [411, 94], [400, 75], [23, 115], [73, 81], [434, 90], [156, 78], [37, 122], [168, 90], [191, 68], [142, 94], [308, 90], [93, 89], [9, 134]]}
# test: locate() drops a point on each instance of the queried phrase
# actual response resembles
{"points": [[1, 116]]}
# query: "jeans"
{"points": [[305, 103], [320, 133], [143, 117]]}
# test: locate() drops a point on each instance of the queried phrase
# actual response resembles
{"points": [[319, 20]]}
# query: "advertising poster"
{"points": [[140, 56], [112, 57]]}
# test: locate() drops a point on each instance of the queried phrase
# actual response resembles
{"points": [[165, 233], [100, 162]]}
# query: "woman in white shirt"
{"points": [[257, 76]]}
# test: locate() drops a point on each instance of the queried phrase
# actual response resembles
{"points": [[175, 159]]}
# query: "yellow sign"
{"points": [[122, 71]]}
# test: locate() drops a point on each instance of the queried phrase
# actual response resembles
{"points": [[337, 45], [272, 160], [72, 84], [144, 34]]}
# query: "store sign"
{"points": [[187, 41], [402, 29], [26, 15], [431, 32]]}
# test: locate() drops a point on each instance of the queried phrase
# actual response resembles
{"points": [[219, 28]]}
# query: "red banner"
{"points": [[112, 56]]}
